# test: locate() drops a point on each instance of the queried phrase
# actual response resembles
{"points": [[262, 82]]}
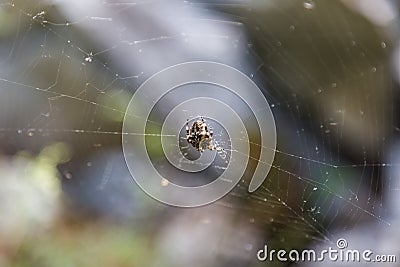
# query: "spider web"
{"points": [[67, 73]]}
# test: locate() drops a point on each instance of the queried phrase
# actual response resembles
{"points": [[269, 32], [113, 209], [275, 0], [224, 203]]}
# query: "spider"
{"points": [[199, 135]]}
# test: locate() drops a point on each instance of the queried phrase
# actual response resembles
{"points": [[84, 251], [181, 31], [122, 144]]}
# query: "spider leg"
{"points": [[213, 147], [187, 129]]}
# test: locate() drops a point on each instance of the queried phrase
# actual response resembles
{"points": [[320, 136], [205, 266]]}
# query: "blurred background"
{"points": [[330, 71]]}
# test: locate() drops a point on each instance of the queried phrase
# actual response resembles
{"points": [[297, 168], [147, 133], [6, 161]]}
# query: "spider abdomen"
{"points": [[199, 135]]}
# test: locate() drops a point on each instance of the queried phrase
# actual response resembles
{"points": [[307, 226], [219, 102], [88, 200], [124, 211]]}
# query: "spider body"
{"points": [[199, 135]]}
